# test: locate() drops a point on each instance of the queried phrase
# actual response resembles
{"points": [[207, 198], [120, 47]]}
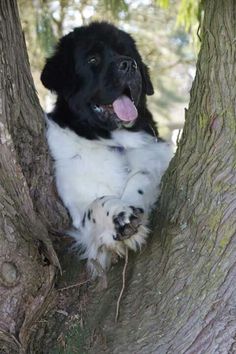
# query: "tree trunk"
{"points": [[180, 292], [28, 205]]}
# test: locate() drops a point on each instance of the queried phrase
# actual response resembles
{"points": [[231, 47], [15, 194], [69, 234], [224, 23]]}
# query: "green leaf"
{"points": [[116, 6], [164, 3]]}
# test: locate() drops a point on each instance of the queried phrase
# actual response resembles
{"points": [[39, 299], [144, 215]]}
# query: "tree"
{"points": [[180, 292], [28, 206]]}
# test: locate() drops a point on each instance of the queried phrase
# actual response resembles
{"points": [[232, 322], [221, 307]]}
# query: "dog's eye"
{"points": [[94, 60]]}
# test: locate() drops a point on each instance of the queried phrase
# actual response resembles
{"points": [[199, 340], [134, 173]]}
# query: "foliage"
{"points": [[189, 13], [164, 3], [116, 6], [46, 37]]}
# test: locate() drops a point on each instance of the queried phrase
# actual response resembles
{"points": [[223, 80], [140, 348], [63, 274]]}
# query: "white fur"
{"points": [[115, 168]]}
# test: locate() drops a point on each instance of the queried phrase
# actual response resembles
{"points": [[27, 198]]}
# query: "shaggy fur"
{"points": [[108, 157]]}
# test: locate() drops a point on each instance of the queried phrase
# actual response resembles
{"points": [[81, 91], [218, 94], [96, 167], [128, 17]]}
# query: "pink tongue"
{"points": [[125, 109]]}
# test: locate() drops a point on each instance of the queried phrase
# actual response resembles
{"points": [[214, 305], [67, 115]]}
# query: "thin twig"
{"points": [[123, 284], [74, 285]]}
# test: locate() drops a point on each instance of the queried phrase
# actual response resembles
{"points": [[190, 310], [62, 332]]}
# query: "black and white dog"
{"points": [[108, 157]]}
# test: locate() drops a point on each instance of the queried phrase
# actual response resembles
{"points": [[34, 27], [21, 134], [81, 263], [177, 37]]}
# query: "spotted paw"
{"points": [[127, 222]]}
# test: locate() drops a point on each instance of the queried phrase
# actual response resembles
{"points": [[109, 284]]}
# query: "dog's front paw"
{"points": [[127, 222]]}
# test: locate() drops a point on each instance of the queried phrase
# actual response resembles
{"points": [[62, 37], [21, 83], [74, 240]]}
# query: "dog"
{"points": [[108, 156]]}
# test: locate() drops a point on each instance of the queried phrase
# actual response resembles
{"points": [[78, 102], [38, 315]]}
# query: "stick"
{"points": [[74, 285], [123, 284]]}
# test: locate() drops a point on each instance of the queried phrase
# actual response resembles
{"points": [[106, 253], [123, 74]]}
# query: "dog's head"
{"points": [[98, 73]]}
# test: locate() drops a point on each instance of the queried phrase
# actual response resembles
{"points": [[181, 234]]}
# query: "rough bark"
{"points": [[28, 205], [180, 292]]}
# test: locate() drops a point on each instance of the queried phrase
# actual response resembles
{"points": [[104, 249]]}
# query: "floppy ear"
{"points": [[57, 71], [147, 84]]}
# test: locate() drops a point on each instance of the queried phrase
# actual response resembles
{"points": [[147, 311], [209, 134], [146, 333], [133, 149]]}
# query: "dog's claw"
{"points": [[127, 225]]}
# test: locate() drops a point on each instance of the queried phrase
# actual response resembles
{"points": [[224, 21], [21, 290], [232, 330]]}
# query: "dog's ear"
{"points": [[147, 84], [57, 70]]}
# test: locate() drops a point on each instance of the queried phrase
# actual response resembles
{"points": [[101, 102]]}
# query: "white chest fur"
{"points": [[88, 169], [126, 169]]}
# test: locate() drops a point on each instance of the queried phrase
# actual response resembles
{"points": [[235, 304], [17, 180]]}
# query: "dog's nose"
{"points": [[127, 66]]}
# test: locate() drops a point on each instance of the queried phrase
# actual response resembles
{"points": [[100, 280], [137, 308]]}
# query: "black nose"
{"points": [[127, 65]]}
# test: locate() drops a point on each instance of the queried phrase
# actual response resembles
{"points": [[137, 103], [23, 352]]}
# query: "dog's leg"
{"points": [[110, 224], [147, 167], [142, 190], [107, 227]]}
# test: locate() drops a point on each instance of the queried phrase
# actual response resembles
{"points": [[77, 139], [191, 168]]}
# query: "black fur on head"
{"points": [[91, 68]]}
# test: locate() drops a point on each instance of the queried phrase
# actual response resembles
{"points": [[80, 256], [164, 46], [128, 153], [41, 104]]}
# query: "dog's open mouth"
{"points": [[122, 109]]}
